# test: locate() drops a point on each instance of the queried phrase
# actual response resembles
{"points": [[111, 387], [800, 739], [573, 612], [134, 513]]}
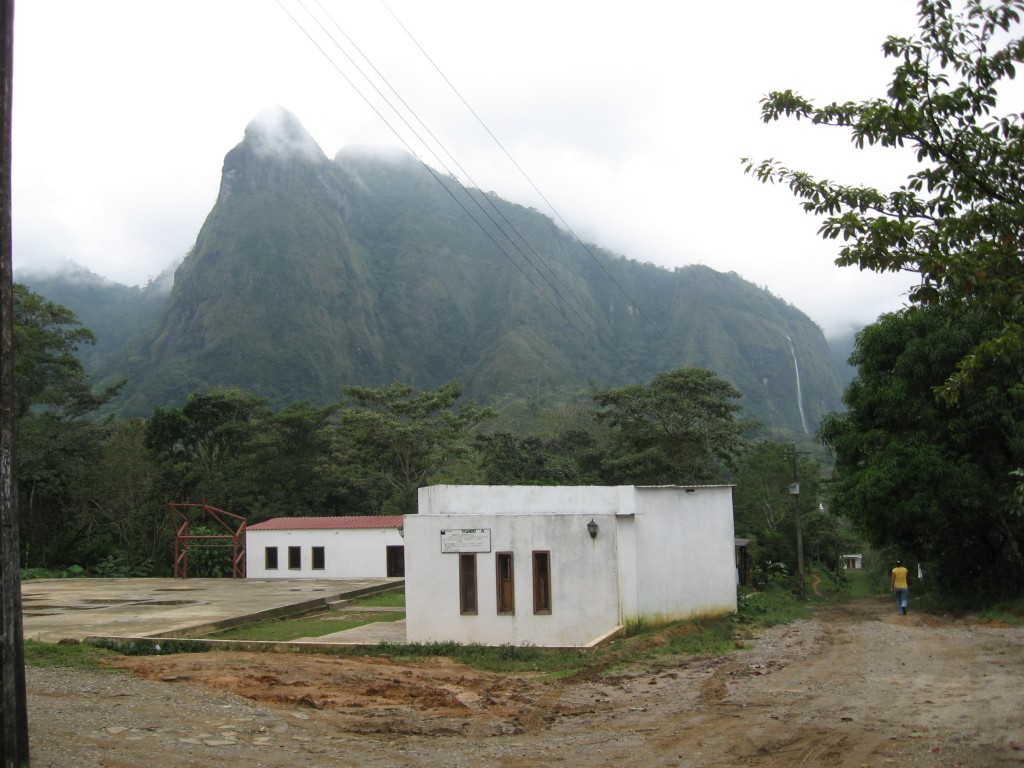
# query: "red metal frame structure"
{"points": [[182, 537]]}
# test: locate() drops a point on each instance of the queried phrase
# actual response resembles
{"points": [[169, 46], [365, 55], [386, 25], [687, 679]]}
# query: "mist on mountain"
{"points": [[312, 273]]}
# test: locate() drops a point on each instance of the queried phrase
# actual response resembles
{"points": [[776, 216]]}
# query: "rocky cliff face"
{"points": [[311, 273], [274, 296]]}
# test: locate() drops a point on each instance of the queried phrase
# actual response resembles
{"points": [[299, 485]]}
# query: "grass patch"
{"points": [[394, 598], [283, 630], [704, 637], [143, 647], [825, 583], [72, 571], [1009, 613], [66, 655], [862, 583], [508, 658], [641, 642], [770, 608]]}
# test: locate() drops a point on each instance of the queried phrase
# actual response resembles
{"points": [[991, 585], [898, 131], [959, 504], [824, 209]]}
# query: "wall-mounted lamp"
{"points": [[592, 528], [401, 531]]}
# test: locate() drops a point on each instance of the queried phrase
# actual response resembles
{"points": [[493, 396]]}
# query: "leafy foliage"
{"points": [[309, 276], [934, 480], [209, 558], [958, 222], [404, 437], [765, 511], [139, 646], [57, 445], [567, 459], [291, 455], [679, 429], [47, 373], [97, 492], [199, 444], [67, 656]]}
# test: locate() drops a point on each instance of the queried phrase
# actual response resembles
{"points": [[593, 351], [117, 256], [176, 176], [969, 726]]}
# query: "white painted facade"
{"points": [[660, 553], [347, 552]]}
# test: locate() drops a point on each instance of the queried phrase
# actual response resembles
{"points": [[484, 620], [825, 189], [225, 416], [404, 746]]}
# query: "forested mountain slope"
{"points": [[310, 274]]}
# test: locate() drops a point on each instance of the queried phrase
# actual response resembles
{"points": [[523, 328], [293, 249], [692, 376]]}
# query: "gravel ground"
{"points": [[856, 686]]}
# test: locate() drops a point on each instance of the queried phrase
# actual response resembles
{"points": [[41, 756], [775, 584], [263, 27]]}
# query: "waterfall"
{"points": [[799, 394]]}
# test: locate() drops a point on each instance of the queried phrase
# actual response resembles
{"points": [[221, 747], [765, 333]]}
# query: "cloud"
{"points": [[630, 120], [277, 132]]}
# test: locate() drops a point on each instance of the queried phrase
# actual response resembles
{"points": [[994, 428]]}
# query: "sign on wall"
{"points": [[466, 540]]}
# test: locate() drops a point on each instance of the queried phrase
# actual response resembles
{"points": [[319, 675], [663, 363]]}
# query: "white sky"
{"points": [[631, 119]]}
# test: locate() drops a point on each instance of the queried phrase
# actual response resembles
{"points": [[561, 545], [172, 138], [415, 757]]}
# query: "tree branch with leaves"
{"points": [[958, 222], [402, 437]]}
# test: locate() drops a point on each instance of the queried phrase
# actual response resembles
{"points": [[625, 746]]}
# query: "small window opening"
{"points": [[506, 583], [467, 584], [542, 582]]}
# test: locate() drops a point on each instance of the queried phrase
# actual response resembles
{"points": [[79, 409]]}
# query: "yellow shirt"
{"points": [[899, 578]]}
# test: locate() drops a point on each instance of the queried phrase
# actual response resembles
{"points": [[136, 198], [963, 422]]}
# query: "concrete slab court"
{"points": [[55, 609]]}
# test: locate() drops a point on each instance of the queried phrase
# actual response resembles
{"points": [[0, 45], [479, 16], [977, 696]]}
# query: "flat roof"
{"points": [[325, 523]]}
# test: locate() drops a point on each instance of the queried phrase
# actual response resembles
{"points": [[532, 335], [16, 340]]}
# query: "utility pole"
{"points": [[794, 489], [13, 704]]}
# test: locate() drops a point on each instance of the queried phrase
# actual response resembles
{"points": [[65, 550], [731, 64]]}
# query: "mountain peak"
{"points": [[309, 275], [276, 132]]}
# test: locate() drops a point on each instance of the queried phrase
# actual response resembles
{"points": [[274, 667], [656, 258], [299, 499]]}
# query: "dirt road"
{"points": [[856, 686]]}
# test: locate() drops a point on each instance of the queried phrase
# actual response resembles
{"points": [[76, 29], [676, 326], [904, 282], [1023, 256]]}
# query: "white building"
{"points": [[852, 562], [325, 548], [564, 566]]}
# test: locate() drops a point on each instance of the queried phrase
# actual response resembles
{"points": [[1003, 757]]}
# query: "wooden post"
{"points": [[14, 713], [795, 490]]}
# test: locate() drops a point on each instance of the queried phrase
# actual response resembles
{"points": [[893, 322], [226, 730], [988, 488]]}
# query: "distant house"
{"points": [[564, 566], [325, 548], [853, 562]]}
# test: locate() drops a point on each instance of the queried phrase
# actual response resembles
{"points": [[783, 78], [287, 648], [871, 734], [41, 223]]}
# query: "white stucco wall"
{"points": [[628, 570], [524, 499], [584, 589], [657, 555], [348, 553], [685, 552]]}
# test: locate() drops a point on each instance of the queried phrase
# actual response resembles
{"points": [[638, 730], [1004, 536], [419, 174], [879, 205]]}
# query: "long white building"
{"points": [[325, 548]]}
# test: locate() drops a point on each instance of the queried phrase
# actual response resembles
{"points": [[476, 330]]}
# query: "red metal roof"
{"points": [[323, 523]]}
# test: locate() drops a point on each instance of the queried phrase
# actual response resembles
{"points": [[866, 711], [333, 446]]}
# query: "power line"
{"points": [[568, 291], [566, 295], [523, 173], [592, 328]]}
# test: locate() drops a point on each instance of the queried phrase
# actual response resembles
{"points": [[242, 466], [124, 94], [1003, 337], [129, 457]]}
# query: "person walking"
{"points": [[900, 587]]}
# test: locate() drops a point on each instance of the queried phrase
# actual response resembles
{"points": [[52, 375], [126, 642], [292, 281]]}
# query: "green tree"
{"points": [[47, 374], [59, 443], [289, 459], [202, 447], [399, 438], [128, 507], [510, 460], [765, 510], [933, 480], [681, 428], [958, 222], [209, 558]]}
